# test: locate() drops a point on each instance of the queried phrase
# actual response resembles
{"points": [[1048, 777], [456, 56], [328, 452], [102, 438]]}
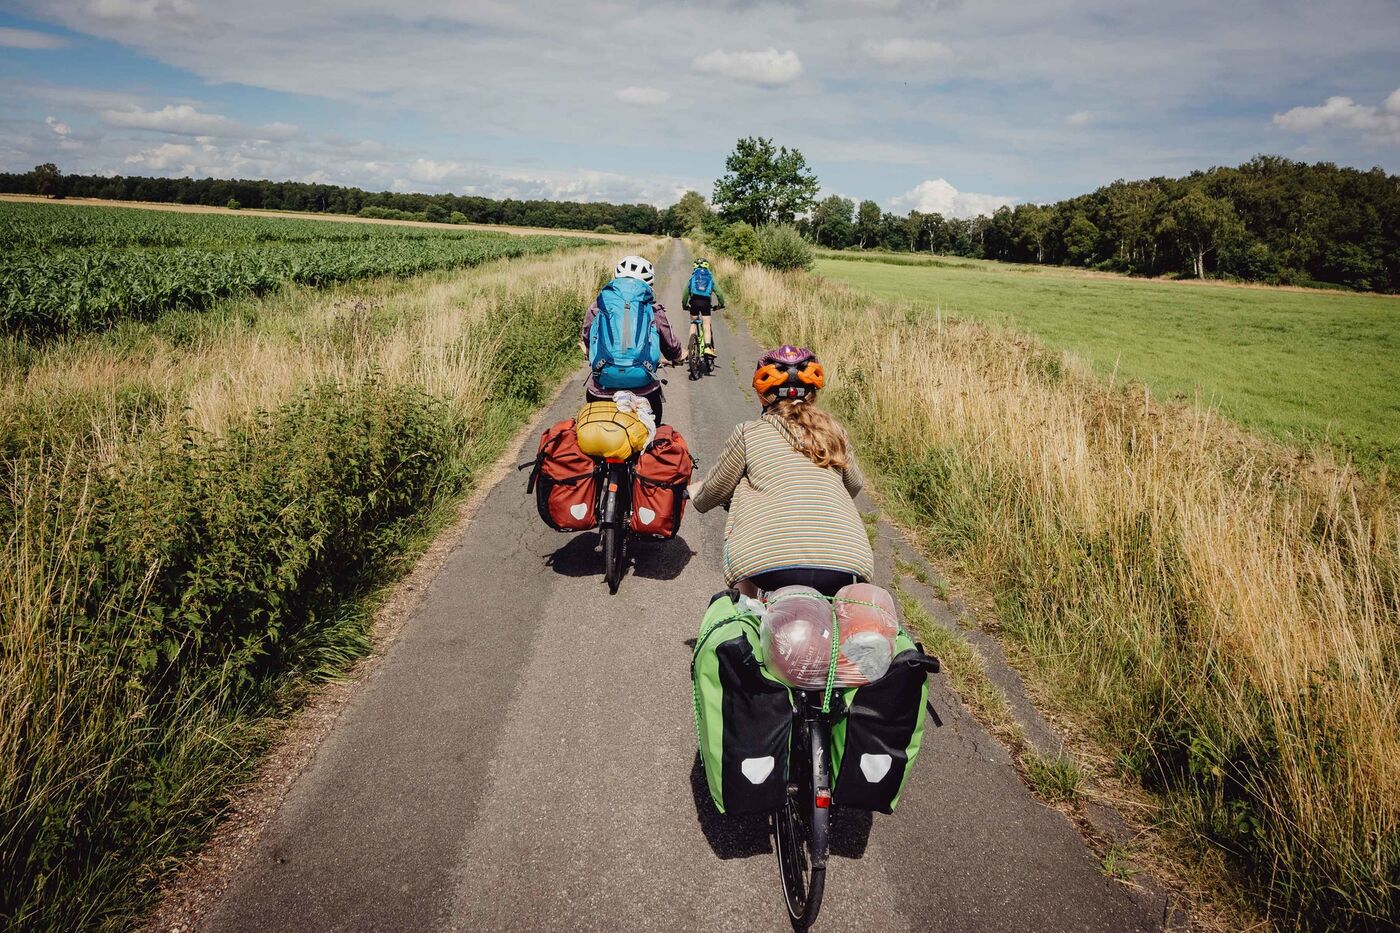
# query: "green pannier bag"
{"points": [[743, 715], [874, 745]]}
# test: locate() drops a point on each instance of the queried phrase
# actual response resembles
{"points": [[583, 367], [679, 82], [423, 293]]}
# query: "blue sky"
{"points": [[948, 105]]}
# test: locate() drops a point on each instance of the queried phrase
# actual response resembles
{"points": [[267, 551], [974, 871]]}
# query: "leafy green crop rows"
{"points": [[66, 270]]}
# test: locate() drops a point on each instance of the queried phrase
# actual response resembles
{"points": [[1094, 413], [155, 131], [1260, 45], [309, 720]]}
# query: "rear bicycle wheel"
{"points": [[614, 556], [693, 356], [800, 832]]}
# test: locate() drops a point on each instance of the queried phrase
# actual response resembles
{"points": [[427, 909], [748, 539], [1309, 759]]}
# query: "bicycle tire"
{"points": [[613, 558], [801, 833], [693, 356]]}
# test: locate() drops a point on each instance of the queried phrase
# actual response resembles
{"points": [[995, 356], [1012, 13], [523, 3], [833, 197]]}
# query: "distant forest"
{"points": [[1270, 220], [336, 199]]}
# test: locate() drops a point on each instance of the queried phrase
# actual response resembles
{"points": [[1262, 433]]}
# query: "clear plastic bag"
{"points": [[796, 630]]}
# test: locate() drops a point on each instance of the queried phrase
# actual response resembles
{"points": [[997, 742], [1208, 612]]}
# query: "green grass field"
{"points": [[1302, 366]]}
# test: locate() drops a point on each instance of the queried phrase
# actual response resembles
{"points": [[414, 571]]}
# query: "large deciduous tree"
{"points": [[764, 183], [832, 223], [691, 211], [1081, 238], [867, 223], [1201, 223], [47, 180]]}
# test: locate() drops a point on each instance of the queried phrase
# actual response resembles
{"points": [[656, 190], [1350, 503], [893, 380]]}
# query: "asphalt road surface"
{"points": [[524, 759]]}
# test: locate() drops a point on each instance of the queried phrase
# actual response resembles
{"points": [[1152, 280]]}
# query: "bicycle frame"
{"points": [[617, 483], [817, 726], [698, 322]]}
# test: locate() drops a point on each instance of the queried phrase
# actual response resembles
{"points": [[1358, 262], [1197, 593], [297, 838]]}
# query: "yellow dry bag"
{"points": [[604, 431]]}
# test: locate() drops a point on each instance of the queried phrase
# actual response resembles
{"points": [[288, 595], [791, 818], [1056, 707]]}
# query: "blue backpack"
{"points": [[624, 348], [702, 284]]}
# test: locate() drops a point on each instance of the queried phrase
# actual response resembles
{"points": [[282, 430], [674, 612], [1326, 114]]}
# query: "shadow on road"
{"points": [[850, 832], [728, 836], [577, 558], [653, 560], [660, 560]]}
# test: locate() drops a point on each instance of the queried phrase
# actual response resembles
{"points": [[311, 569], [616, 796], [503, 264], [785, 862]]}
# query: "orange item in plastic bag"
{"points": [[867, 625]]}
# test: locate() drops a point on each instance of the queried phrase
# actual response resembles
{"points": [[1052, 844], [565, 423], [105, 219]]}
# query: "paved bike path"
{"points": [[524, 758]]}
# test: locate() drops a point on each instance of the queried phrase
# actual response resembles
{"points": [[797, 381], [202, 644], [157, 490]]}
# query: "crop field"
{"points": [[1304, 366], [67, 269]]}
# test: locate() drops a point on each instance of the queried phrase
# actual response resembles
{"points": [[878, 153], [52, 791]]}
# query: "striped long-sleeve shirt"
{"points": [[785, 511]]}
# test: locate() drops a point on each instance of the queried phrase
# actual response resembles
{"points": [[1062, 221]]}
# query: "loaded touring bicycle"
{"points": [[792, 726]]}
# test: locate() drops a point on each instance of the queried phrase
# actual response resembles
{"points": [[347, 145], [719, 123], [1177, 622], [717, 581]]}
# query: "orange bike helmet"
{"points": [[787, 372]]}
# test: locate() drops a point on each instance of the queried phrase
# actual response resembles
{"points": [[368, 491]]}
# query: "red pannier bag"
{"points": [[658, 484], [565, 481]]}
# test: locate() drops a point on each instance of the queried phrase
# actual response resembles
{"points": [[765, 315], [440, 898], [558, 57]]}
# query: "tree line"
{"points": [[337, 199], [1269, 220]]}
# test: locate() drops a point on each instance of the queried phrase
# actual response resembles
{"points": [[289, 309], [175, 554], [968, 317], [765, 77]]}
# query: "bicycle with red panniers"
{"points": [[620, 487]]}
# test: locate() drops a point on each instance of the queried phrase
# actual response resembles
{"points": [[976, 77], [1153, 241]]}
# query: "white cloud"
{"points": [[643, 96], [766, 67], [184, 120], [904, 51], [29, 39], [334, 163], [433, 172], [937, 196], [1079, 118], [58, 126], [155, 12], [166, 157], [1376, 124]]}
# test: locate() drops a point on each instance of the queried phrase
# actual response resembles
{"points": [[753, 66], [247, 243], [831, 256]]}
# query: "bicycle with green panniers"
{"points": [[797, 752]]}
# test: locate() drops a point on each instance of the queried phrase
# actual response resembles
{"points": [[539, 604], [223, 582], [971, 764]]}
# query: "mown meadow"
{"points": [[196, 511], [1304, 366], [1216, 611]]}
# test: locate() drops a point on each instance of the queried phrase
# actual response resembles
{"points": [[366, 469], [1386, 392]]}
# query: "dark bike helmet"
{"points": [[701, 264], [787, 372]]}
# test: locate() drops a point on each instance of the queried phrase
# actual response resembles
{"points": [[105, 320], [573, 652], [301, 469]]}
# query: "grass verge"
{"points": [[1220, 613], [195, 509]]}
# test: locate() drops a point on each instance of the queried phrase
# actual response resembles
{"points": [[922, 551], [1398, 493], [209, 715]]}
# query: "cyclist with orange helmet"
{"points": [[789, 478]]}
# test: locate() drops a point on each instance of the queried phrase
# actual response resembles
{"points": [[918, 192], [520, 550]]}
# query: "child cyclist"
{"points": [[631, 337], [789, 478], [702, 296]]}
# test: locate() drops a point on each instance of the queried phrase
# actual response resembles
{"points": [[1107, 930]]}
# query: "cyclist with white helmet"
{"points": [[625, 334]]}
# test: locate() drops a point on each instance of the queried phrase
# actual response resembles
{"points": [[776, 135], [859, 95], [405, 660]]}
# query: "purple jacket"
{"points": [[671, 348]]}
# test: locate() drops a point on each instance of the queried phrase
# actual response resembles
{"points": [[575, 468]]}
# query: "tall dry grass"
{"points": [[1224, 612], [187, 511]]}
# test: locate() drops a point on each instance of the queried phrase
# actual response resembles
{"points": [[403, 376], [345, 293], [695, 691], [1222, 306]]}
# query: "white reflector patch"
{"points": [[579, 510], [758, 769], [646, 515], [875, 767]]}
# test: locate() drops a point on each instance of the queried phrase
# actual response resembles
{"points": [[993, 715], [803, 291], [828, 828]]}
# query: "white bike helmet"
{"points": [[634, 267]]}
